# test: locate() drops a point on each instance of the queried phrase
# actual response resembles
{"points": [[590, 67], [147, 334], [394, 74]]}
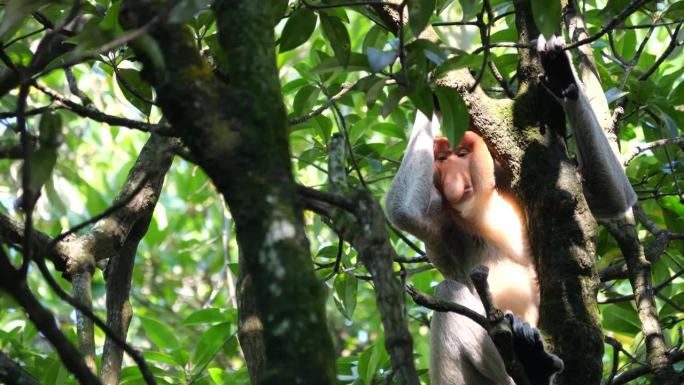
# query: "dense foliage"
{"points": [[341, 70]]}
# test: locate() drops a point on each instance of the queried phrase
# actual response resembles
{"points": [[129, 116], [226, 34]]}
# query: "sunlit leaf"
{"points": [[160, 333], [345, 286], [137, 91], [206, 316], [209, 344], [455, 118]]}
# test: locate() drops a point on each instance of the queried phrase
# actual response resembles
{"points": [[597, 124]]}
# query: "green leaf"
{"points": [[614, 7], [345, 288], [389, 129], [160, 333], [673, 212], [338, 36], [442, 4], [614, 94], [152, 50], [547, 16], [304, 99], [277, 8], [323, 126], [376, 37], [110, 21], [621, 318], [137, 91], [675, 10], [357, 62], [42, 162], [371, 359], [15, 13], [420, 12], [206, 316], [430, 50], [392, 101], [677, 95], [297, 30], [374, 91], [470, 8], [161, 357], [186, 10], [462, 60], [421, 96], [209, 344], [455, 117], [50, 129]]}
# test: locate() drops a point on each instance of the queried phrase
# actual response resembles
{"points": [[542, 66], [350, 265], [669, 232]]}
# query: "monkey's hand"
{"points": [[559, 76], [539, 365]]}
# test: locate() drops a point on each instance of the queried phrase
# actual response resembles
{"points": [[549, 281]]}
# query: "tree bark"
{"points": [[151, 167], [562, 230], [238, 134]]}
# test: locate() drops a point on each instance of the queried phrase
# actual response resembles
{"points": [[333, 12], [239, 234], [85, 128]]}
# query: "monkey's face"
{"points": [[465, 174]]}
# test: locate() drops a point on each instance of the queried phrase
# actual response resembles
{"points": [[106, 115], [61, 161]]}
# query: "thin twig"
{"points": [[162, 129], [619, 18], [446, 306], [502, 45], [112, 209], [346, 87], [670, 47], [638, 149]]}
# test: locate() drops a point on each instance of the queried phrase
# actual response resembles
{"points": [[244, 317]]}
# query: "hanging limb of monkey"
{"points": [[519, 344], [608, 192]]}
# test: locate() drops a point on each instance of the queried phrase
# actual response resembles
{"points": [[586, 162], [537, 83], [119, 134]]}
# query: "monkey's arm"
{"points": [[606, 186], [413, 201]]}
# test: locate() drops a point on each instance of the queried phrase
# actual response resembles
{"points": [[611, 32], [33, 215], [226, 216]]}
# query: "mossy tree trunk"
{"points": [[237, 133]]}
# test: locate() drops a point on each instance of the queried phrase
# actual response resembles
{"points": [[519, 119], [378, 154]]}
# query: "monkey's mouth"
{"points": [[467, 193]]}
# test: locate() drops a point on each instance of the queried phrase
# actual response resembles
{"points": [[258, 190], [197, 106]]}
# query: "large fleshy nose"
{"points": [[455, 183]]}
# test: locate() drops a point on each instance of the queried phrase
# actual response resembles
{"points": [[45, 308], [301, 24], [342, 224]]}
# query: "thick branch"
{"points": [[561, 228], [639, 271], [368, 235], [85, 331], [151, 166], [228, 130], [45, 322], [13, 374]]}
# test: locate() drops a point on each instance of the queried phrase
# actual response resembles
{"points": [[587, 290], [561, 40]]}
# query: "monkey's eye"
{"points": [[442, 155], [461, 152]]}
